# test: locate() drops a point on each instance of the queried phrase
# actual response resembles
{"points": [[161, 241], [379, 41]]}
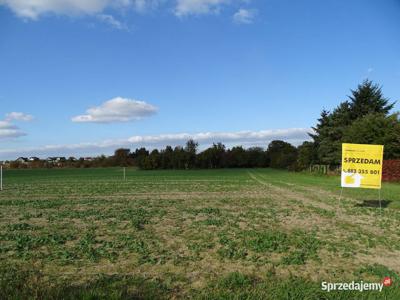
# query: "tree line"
{"points": [[279, 154], [364, 118]]}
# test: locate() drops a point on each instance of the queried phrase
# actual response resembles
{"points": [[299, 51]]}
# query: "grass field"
{"points": [[219, 234]]}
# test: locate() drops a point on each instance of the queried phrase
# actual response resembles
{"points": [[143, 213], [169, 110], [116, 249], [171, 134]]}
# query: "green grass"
{"points": [[390, 191], [202, 234]]}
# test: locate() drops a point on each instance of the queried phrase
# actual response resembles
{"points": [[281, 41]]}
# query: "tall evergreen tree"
{"points": [[320, 127], [331, 127], [368, 99]]}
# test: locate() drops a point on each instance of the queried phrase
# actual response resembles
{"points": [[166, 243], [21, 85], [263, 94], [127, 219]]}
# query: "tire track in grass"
{"points": [[289, 193], [361, 225], [252, 176]]}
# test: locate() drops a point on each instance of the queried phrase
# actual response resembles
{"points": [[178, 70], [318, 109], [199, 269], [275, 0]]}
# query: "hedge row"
{"points": [[391, 170]]}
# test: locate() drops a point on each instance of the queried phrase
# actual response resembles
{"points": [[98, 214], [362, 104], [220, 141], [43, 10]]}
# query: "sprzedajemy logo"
{"points": [[356, 286]]}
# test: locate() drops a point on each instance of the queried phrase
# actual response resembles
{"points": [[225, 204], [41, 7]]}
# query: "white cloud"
{"points": [[244, 16], [227, 137], [245, 138], [18, 116], [113, 22], [194, 7], [117, 110], [33, 9], [8, 129]]}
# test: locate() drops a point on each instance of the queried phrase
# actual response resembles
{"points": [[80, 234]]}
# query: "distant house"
{"points": [[51, 159], [55, 159], [88, 158], [22, 160], [58, 161], [33, 158]]}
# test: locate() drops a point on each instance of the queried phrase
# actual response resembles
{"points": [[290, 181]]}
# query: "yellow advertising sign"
{"points": [[362, 166]]}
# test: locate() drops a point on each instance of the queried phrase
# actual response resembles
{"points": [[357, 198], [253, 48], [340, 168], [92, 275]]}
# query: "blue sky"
{"points": [[157, 72]]}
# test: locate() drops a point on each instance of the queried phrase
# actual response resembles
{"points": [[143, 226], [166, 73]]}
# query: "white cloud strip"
{"points": [[34, 9], [18, 116], [8, 130], [245, 138], [117, 110]]}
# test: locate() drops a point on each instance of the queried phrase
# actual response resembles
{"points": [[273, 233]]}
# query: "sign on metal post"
{"points": [[362, 166]]}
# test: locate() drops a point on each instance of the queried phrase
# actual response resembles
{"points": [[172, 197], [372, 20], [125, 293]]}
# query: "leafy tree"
{"points": [[282, 155], [218, 155], [167, 157], [307, 155], [256, 157], [102, 161], [154, 159], [121, 157], [376, 128], [139, 157], [213, 157], [179, 158], [236, 157], [191, 150]]}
